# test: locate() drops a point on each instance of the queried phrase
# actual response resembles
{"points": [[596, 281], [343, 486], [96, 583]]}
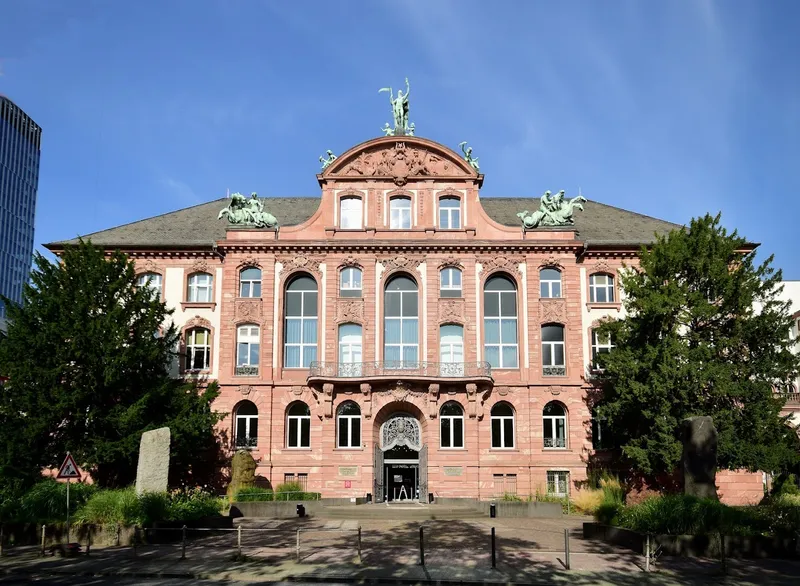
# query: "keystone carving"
{"points": [[301, 261], [553, 310], [149, 266], [249, 261], [351, 261], [554, 390], [451, 261], [433, 400], [198, 322], [401, 261], [472, 399], [601, 266], [551, 262], [200, 266], [366, 390], [245, 389], [327, 400], [350, 310], [247, 310], [501, 261]]}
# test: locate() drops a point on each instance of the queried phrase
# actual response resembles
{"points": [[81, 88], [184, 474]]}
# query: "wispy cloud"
{"points": [[181, 192]]}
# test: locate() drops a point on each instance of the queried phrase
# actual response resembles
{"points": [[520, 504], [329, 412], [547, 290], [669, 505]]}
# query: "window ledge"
{"points": [[347, 449], [298, 449], [198, 305], [194, 373], [508, 450], [455, 449], [556, 449], [595, 305]]}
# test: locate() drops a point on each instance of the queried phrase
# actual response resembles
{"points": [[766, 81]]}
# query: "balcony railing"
{"points": [[791, 398], [246, 371], [400, 368], [554, 371]]}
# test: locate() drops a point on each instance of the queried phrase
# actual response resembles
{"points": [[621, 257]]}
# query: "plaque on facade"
{"points": [[453, 470], [348, 470]]}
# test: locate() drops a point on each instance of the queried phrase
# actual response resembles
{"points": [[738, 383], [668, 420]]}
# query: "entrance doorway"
{"points": [[401, 461], [401, 471]]}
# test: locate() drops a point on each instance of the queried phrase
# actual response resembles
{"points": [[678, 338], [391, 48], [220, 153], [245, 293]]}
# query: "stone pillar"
{"points": [[699, 459]]}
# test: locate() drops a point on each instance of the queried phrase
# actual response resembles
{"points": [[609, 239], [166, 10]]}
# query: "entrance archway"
{"points": [[401, 460]]}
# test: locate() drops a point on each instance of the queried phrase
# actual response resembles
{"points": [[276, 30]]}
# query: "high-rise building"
{"points": [[20, 142]]}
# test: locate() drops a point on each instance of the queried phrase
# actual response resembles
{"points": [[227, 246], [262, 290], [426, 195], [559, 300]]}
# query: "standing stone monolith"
{"points": [[699, 457], [243, 472], [152, 473]]}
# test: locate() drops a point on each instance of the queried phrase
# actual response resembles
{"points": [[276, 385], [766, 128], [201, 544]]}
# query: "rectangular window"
{"points": [[350, 213], [350, 282], [599, 346], [450, 213], [557, 483], [450, 285], [302, 480], [400, 213], [288, 477]]}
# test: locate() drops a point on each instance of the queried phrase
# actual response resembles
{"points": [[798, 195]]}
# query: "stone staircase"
{"points": [[400, 512]]}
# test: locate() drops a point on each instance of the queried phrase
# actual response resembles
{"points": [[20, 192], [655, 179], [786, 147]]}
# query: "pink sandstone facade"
{"points": [[398, 340]]}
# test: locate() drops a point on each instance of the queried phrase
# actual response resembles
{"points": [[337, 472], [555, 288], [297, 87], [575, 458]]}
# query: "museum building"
{"points": [[396, 335]]}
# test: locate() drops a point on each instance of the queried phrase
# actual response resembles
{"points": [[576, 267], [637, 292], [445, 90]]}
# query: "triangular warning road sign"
{"points": [[69, 469]]}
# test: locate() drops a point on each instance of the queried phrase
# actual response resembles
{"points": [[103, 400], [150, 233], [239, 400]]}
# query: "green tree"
{"points": [[705, 334], [87, 355]]}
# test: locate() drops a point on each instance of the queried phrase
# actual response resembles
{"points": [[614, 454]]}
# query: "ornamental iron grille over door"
{"points": [[401, 430], [377, 474], [423, 474]]}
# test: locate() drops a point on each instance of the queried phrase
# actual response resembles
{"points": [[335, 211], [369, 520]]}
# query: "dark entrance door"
{"points": [[402, 482]]}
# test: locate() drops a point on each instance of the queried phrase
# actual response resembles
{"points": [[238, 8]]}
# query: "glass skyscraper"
{"points": [[20, 140]]}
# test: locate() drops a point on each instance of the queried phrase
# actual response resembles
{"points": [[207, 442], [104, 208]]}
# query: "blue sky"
{"points": [[670, 108]]}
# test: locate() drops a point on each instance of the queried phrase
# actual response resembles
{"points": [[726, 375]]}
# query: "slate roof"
{"points": [[198, 226]]}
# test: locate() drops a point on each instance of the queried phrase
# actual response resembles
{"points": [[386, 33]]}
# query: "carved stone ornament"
{"points": [[472, 398], [247, 310], [198, 322], [149, 266], [601, 266], [350, 310], [297, 390], [401, 261], [551, 262], [200, 266], [401, 391], [451, 261], [245, 389], [400, 161], [553, 310], [351, 261], [301, 261], [554, 390], [452, 311], [366, 408], [249, 261], [502, 391], [327, 400], [501, 261], [401, 430], [433, 400]]}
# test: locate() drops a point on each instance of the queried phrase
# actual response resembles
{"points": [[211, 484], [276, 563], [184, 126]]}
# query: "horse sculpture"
{"points": [[553, 211], [248, 212]]}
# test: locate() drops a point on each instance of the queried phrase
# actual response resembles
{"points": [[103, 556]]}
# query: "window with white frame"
{"points": [[300, 344], [400, 213], [401, 323], [152, 281], [199, 288], [600, 345], [246, 424], [451, 425], [502, 417], [553, 350], [557, 481], [348, 418], [250, 282], [451, 350], [500, 322], [549, 283], [350, 213], [350, 356], [350, 282], [450, 282], [450, 213], [198, 349], [554, 418], [248, 344], [601, 288], [298, 426]]}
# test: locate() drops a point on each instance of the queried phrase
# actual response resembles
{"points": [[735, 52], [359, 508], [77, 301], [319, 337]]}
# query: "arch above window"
{"points": [[554, 421], [351, 212], [502, 418], [298, 425]]}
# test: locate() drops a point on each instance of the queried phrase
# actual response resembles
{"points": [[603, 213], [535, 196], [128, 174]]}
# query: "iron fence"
{"points": [[402, 368]]}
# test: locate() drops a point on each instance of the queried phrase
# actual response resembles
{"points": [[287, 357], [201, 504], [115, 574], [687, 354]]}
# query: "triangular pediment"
{"points": [[401, 159]]}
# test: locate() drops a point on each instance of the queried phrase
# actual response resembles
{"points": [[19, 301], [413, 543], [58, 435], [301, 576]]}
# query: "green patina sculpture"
{"points": [[248, 212], [553, 211], [473, 162], [399, 106], [326, 162]]}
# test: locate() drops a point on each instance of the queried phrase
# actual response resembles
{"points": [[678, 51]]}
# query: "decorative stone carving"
{"points": [[198, 322], [351, 261], [554, 390], [247, 212], [152, 471], [200, 265], [433, 400], [553, 310], [249, 261], [601, 266], [301, 261], [350, 310], [366, 390], [245, 389], [401, 261], [400, 392], [402, 429], [452, 311], [501, 261], [472, 399], [398, 161], [502, 391], [247, 310], [484, 398], [553, 210], [149, 266], [327, 400], [297, 390], [551, 262], [451, 261]]}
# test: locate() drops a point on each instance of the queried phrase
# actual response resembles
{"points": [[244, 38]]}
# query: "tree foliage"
{"points": [[88, 354], [705, 333]]}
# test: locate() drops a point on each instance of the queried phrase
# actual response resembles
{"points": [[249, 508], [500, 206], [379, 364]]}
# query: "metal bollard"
{"points": [[135, 539], [183, 543], [2, 538], [239, 539], [421, 547], [494, 557], [359, 543], [88, 541], [44, 529], [566, 548], [117, 536], [298, 545], [647, 554]]}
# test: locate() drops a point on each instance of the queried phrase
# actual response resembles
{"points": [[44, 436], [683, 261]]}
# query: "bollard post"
{"points": [[566, 548], [183, 543], [359, 543], [494, 557], [239, 539], [647, 554], [298, 545], [2, 538], [135, 539], [421, 547], [722, 553], [88, 541], [117, 536], [44, 528]]}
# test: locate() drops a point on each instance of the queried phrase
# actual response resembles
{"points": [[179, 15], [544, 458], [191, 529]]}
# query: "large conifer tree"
{"points": [[705, 334]]}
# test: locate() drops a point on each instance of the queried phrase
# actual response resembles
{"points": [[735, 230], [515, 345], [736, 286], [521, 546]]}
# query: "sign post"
{"points": [[68, 470]]}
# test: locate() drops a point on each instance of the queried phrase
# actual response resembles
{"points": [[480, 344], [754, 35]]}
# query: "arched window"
{"points": [[601, 288], [553, 350], [350, 213], [600, 345], [500, 322], [401, 323], [451, 350], [350, 282], [245, 422], [450, 213], [549, 283], [450, 282], [300, 345], [298, 426], [451, 425], [198, 349], [250, 282], [554, 418], [151, 280], [400, 213], [199, 288], [348, 418], [350, 356], [248, 344], [502, 426]]}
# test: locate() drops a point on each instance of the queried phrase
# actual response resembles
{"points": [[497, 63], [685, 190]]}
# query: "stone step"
{"points": [[399, 512]]}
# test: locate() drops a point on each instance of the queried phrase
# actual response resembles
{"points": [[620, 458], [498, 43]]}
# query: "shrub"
{"points": [[192, 504], [111, 506], [292, 491], [786, 485], [510, 497], [46, 501], [588, 500], [251, 494]]}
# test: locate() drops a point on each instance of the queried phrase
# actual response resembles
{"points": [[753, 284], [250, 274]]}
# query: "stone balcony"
{"points": [[400, 370]]}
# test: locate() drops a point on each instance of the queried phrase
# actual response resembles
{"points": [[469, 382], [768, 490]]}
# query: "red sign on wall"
{"points": [[348, 483]]}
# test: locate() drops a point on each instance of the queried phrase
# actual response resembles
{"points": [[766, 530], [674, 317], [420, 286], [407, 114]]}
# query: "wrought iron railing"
{"points": [[246, 442], [554, 371], [246, 371], [400, 368], [555, 442]]}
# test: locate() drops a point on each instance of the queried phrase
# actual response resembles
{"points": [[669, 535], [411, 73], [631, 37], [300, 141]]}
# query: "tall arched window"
{"points": [[400, 213], [450, 282], [245, 422], [554, 418], [350, 213], [350, 356], [401, 323], [451, 350], [198, 349], [450, 213], [549, 283], [250, 282], [151, 280], [199, 288], [500, 322], [248, 345], [553, 350], [300, 344], [298, 426], [348, 418], [451, 425], [350, 282], [601, 288], [502, 426]]}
